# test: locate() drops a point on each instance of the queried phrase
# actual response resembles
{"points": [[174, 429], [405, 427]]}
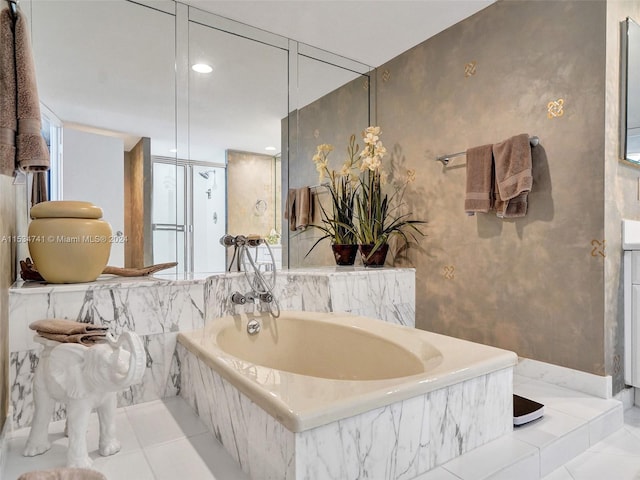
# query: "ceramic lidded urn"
{"points": [[68, 241]]}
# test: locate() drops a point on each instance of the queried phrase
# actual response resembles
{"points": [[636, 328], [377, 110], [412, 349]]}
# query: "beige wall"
{"points": [[533, 285], [7, 276], [251, 177]]}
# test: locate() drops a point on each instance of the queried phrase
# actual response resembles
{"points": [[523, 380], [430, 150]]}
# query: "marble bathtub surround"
{"points": [[308, 369], [387, 294], [158, 307], [397, 441]]}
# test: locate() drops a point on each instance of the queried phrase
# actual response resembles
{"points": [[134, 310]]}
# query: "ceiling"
{"points": [[110, 66], [371, 32]]}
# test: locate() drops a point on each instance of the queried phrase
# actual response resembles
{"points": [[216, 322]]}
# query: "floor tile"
{"points": [[490, 459], [600, 466], [130, 465], [437, 474], [163, 421], [199, 457], [559, 474], [606, 424]]}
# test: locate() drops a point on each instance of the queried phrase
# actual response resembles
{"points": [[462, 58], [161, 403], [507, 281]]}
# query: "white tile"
{"points": [[437, 474], [559, 474], [163, 420], [632, 421], [491, 458], [621, 442], [200, 457], [600, 466], [526, 468], [563, 449], [131, 465], [606, 424], [596, 385], [549, 428], [568, 401]]}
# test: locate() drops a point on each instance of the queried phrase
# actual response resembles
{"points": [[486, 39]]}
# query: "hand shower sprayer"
{"points": [[261, 287]]}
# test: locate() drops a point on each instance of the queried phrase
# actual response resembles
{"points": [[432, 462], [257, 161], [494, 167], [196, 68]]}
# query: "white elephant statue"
{"points": [[83, 378]]}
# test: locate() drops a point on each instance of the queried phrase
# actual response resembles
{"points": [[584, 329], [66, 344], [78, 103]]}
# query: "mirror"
{"points": [[117, 74], [630, 93]]}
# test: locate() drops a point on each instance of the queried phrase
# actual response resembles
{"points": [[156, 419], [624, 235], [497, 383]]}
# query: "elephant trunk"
{"points": [[126, 375]]}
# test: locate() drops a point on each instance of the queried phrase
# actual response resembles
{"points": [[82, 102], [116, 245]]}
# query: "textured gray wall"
{"points": [[533, 285]]}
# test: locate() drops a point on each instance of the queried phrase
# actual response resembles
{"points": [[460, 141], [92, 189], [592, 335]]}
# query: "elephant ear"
{"points": [[66, 363]]}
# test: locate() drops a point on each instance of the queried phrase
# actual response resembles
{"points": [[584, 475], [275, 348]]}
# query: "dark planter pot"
{"points": [[344, 254], [375, 259]]}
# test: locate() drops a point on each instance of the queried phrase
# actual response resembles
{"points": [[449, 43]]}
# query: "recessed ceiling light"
{"points": [[270, 149], [173, 150], [202, 68]]}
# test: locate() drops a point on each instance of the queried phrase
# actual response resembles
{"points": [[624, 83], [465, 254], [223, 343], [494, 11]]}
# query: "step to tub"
{"points": [[572, 422]]}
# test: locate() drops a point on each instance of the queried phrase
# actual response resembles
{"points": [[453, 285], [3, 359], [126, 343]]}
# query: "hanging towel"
{"points": [[31, 149], [21, 143], [513, 176], [290, 209], [303, 208], [478, 195], [8, 121], [39, 188]]}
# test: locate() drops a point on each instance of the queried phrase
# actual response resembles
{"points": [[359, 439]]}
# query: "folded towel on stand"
{"points": [[290, 209], [87, 339], [63, 474], [68, 331], [478, 194], [31, 149], [65, 327], [513, 176], [8, 116], [304, 212]]}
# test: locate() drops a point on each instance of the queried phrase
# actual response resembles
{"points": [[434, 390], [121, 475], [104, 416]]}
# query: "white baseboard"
{"points": [[595, 385]]}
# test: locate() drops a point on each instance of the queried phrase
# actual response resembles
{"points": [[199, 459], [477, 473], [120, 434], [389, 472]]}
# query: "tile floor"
{"points": [[165, 440]]}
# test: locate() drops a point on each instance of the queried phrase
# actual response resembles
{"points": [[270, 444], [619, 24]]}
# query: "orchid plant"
{"points": [[342, 185], [377, 213]]}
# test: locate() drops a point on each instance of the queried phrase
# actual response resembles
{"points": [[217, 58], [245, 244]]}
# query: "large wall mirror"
{"points": [[176, 156], [630, 92]]}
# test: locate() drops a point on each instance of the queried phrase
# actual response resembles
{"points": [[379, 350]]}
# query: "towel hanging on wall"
{"points": [[21, 142]]}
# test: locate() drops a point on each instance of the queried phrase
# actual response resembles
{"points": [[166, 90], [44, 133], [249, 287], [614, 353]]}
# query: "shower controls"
{"points": [[238, 298]]}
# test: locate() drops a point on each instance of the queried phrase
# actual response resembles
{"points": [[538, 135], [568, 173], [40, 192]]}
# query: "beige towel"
{"points": [[478, 195], [68, 331], [63, 474], [8, 120], [65, 327], [87, 339], [31, 149], [21, 143], [513, 176], [290, 209], [303, 208]]}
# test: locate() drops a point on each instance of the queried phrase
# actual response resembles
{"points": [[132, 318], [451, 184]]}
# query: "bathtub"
{"points": [[322, 395]]}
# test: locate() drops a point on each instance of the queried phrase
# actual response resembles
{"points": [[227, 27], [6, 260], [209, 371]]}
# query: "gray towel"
{"points": [[304, 213]]}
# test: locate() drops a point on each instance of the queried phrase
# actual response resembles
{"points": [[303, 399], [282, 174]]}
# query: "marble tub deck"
{"points": [[164, 440]]}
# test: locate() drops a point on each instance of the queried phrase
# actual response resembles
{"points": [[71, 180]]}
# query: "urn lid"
{"points": [[66, 209]]}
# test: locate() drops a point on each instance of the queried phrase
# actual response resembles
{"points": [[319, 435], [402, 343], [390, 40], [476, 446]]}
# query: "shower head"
{"points": [[204, 175]]}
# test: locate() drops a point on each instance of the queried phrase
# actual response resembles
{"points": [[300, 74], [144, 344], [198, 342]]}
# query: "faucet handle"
{"points": [[238, 298]]}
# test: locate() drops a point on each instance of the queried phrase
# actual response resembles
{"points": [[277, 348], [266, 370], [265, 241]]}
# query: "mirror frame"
{"points": [[625, 57]]}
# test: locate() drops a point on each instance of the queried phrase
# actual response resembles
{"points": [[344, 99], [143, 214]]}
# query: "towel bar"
{"points": [[445, 158]]}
